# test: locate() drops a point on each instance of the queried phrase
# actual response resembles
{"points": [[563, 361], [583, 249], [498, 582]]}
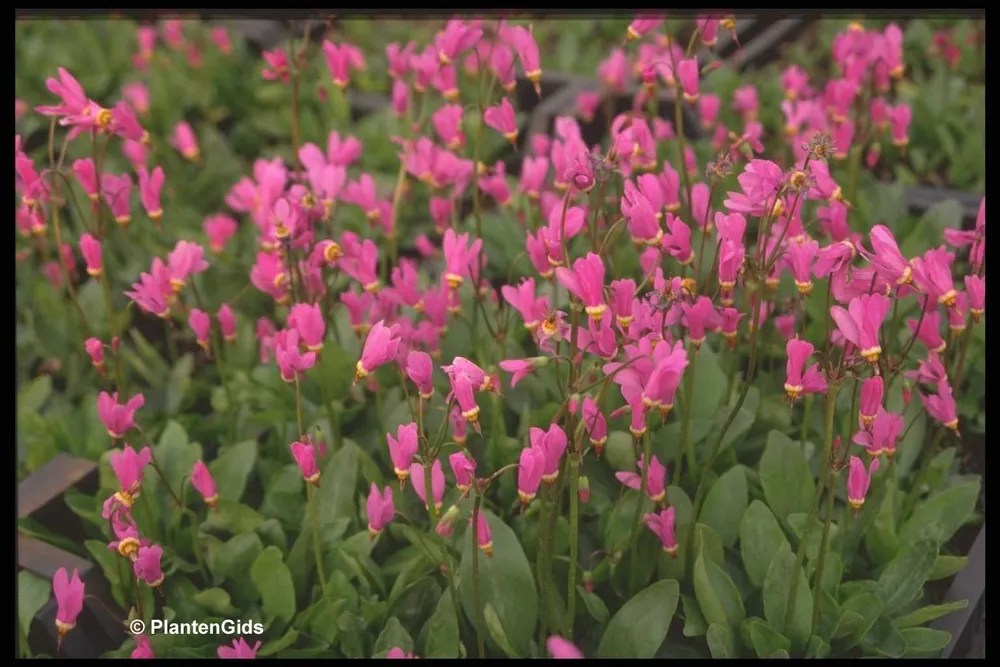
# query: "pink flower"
{"points": [[396, 653], [184, 141], [463, 467], [239, 650], [553, 444], [69, 90], [456, 38], [520, 368], [800, 258], [899, 120], [656, 481], [932, 275], [745, 102], [664, 378], [941, 406], [221, 39], [118, 419], [785, 324], [858, 480], [125, 124], [304, 454], [420, 370], [227, 322], [69, 594], [929, 332], [143, 649], [975, 288], [662, 525], [459, 256], [291, 362], [697, 318], [380, 510], [437, 482], [708, 110], [149, 191], [522, 298], [797, 382], [760, 182], [586, 282], [277, 65], [587, 103], [872, 391], [185, 260], [307, 319], [117, 192], [147, 565], [340, 60], [687, 72], [524, 44], [530, 468], [95, 349], [883, 435], [86, 175], [201, 324], [501, 118], [128, 466], [484, 537], [555, 645], [533, 173], [402, 449], [861, 322], [90, 248], [381, 346], [204, 483]]}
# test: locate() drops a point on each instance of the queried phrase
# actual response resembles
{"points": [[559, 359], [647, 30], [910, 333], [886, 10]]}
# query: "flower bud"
{"points": [[584, 489]]}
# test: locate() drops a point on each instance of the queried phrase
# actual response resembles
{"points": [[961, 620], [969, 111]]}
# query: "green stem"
{"points": [[476, 600], [298, 405], [806, 411], [831, 410], [637, 515], [831, 479], [574, 535], [689, 377], [314, 525], [540, 562]]}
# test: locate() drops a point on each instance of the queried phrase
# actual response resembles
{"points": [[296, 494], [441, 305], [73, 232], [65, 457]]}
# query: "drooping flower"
{"points": [[380, 509], [118, 418], [530, 468], [800, 380], [147, 565], [402, 449], [586, 282], [662, 525], [656, 479], [562, 648], [463, 467], [858, 481], [381, 346], [69, 593], [861, 322], [128, 466], [872, 391], [304, 454], [883, 435], [942, 407], [417, 471], [553, 444]]}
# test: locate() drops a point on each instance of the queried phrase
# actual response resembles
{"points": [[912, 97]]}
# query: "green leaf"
{"points": [[694, 622], [232, 468], [784, 475], [925, 641], [107, 560], [176, 457], [710, 384], [338, 485], [885, 639], [906, 574], [946, 566], [717, 595], [496, 631], [817, 648], [505, 581], [857, 616], [726, 504], [929, 613], [32, 594], [215, 600], [641, 625], [777, 588], [720, 641], [441, 638], [34, 395], [233, 518], [765, 640], [942, 515], [274, 583], [336, 371], [880, 540], [393, 635], [595, 605], [760, 539], [273, 647]]}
